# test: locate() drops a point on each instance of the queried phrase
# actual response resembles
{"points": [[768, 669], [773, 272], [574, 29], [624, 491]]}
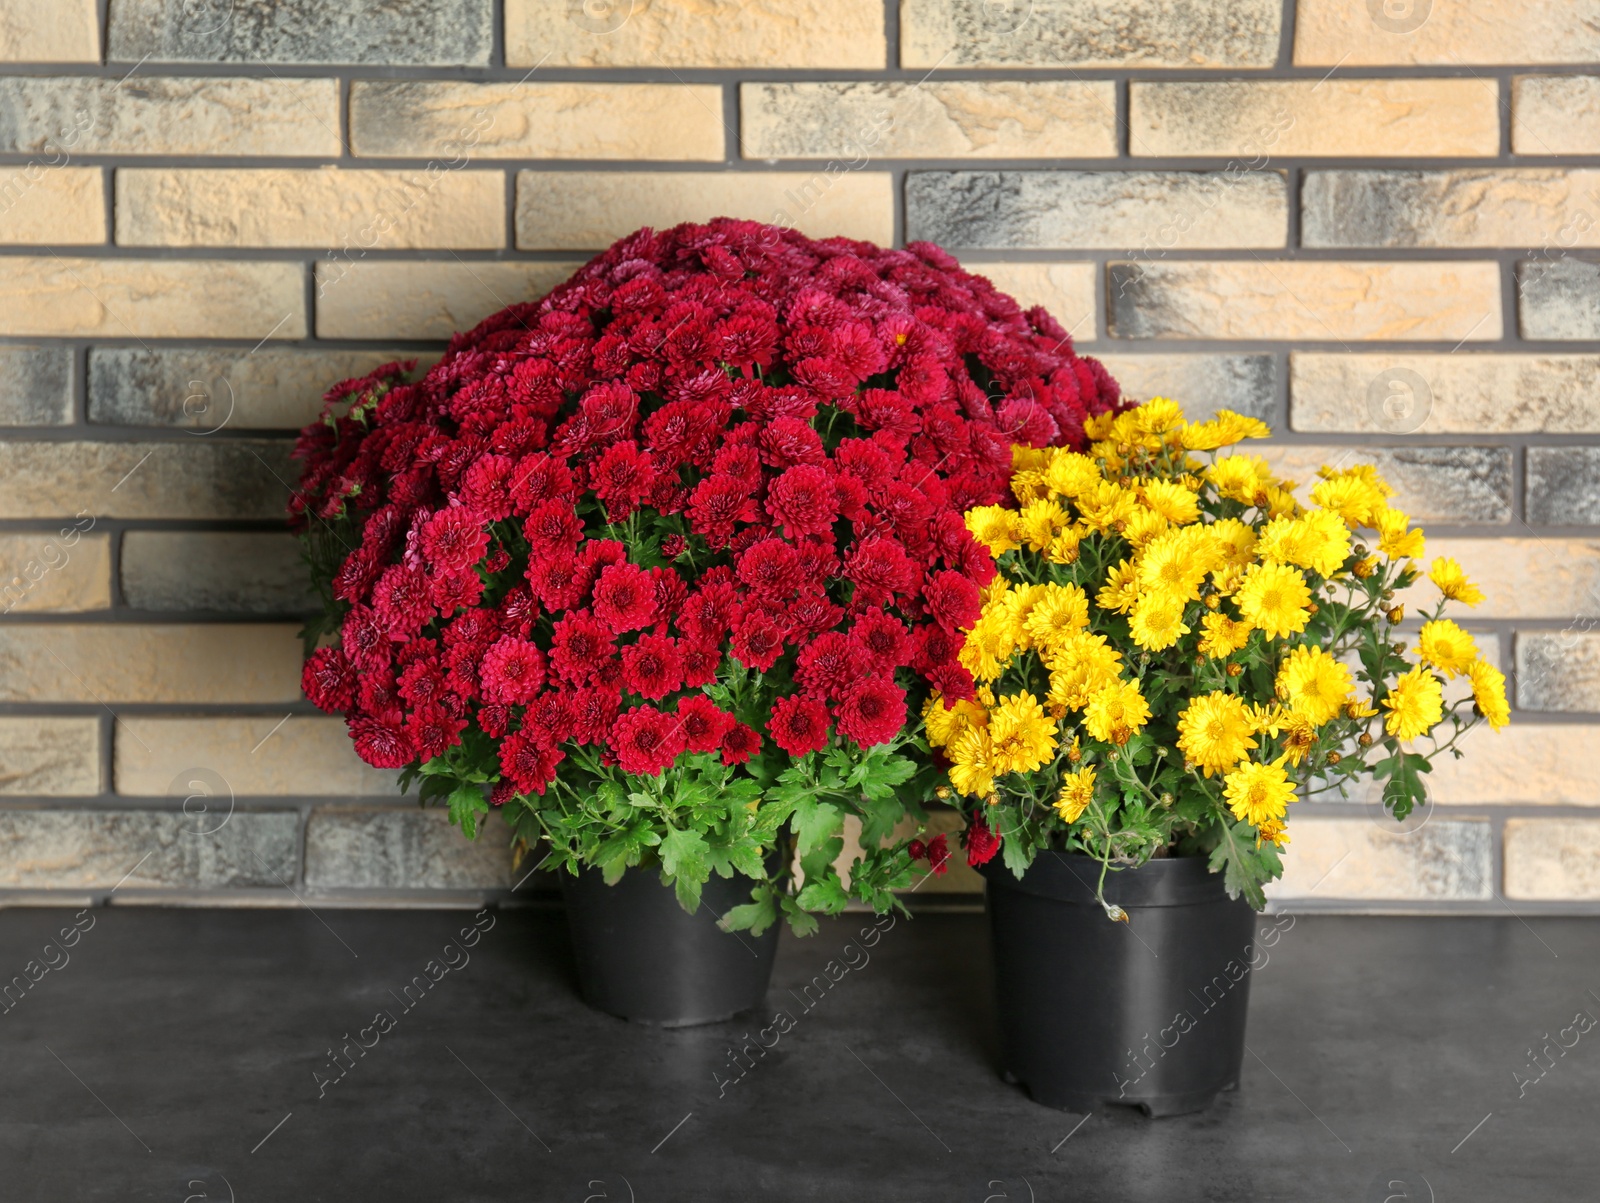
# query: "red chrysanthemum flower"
{"points": [[803, 502], [703, 723], [798, 725], [382, 745], [329, 680], [624, 598], [981, 843], [529, 763], [646, 741], [652, 667], [512, 671], [453, 541], [872, 712]]}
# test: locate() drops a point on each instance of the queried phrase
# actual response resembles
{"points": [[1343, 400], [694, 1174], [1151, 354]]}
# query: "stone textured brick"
{"points": [[212, 388], [955, 119], [1558, 298], [42, 572], [127, 662], [1539, 577], [1154, 211], [386, 300], [589, 210], [785, 34], [402, 849], [49, 757], [169, 115], [1518, 207], [1555, 114], [1089, 33], [1313, 300], [215, 570], [1552, 860], [394, 33], [1445, 860], [35, 386], [1202, 384], [67, 31], [1558, 671], [150, 298], [409, 118], [321, 207], [238, 479], [1357, 33], [1067, 290], [1563, 485], [1463, 393], [1529, 763], [1367, 118], [1432, 484], [145, 849], [262, 756], [51, 206]]}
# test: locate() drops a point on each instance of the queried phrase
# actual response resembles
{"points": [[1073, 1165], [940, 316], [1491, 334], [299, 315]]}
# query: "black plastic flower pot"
{"points": [[642, 957], [1148, 1013]]}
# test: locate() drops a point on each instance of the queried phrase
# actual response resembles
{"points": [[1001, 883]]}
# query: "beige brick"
{"points": [[1463, 393], [965, 119], [387, 300], [589, 210], [65, 31], [322, 207], [409, 849], [783, 34], [1552, 860], [149, 298], [1521, 578], [51, 206], [409, 118], [1089, 33], [58, 571], [1444, 860], [1519, 207], [198, 478], [128, 662], [1455, 301], [1459, 485], [1525, 763], [257, 756], [256, 573], [1202, 384], [1369, 118], [1358, 33], [1555, 114], [1067, 290], [49, 757], [169, 115]]}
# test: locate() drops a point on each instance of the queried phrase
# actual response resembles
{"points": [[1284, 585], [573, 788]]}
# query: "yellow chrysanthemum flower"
{"points": [[1030, 459], [1234, 541], [1314, 684], [1214, 732], [1175, 565], [1258, 793], [1018, 607], [1178, 505], [1395, 538], [1105, 506], [1022, 736], [1241, 478], [1080, 664], [1273, 598], [995, 527], [1157, 621], [1158, 415], [1040, 522], [1354, 499], [1077, 791], [1065, 548], [1453, 583], [1144, 526], [1274, 832], [971, 762], [1362, 472], [1297, 736], [1201, 436], [989, 644], [1071, 473], [1116, 711], [1060, 610], [1415, 704], [1121, 589], [1445, 646], [1029, 486], [1318, 540], [1237, 427], [1489, 692], [1223, 635], [943, 726]]}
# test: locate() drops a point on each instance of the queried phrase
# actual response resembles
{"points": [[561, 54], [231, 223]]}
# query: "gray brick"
{"points": [[1127, 210], [150, 115], [1558, 671], [402, 849], [394, 33], [1089, 33], [1468, 485], [35, 386], [211, 388], [1445, 860], [198, 478], [1563, 485], [1559, 298], [96, 849], [1478, 207], [1202, 384], [215, 570]]}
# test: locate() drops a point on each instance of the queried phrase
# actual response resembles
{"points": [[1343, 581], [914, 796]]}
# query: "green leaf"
{"points": [[1245, 868], [801, 922], [814, 822], [826, 895], [684, 856], [754, 917], [466, 804]]}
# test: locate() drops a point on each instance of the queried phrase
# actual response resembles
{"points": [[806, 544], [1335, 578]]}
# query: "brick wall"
{"points": [[1372, 222]]}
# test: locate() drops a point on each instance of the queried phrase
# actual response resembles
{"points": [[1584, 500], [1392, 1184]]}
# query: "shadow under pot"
{"points": [[642, 957], [1148, 1013]]}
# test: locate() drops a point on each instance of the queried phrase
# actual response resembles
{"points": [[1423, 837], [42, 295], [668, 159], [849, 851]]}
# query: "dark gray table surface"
{"points": [[188, 1055]]}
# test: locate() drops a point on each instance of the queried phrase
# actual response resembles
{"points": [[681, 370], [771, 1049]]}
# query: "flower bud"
{"points": [[1364, 740], [1234, 670], [1397, 614], [942, 793], [1334, 758]]}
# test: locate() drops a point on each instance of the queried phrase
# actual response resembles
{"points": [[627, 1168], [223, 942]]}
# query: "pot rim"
{"points": [[1070, 878]]}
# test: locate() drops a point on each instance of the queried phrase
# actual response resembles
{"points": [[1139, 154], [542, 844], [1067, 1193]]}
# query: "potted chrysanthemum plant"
{"points": [[654, 567], [1174, 651]]}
